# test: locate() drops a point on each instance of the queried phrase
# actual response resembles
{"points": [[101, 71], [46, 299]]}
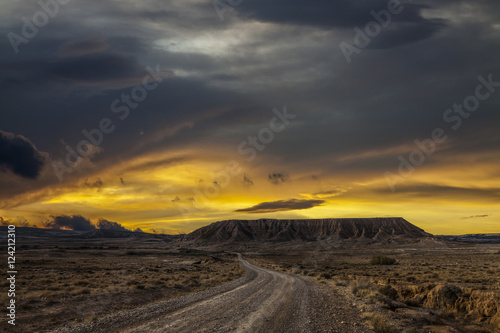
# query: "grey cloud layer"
{"points": [[64, 79], [407, 27], [281, 205]]}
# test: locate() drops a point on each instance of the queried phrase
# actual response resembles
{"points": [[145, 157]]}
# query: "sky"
{"points": [[170, 115]]}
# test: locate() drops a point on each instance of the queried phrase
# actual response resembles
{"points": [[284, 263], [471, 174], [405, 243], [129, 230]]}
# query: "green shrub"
{"points": [[383, 260]]}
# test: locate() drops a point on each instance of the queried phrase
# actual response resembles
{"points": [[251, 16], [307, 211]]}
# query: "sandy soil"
{"points": [[262, 301]]}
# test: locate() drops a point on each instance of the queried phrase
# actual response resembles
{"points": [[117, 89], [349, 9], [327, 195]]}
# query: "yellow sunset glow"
{"points": [[181, 196]]}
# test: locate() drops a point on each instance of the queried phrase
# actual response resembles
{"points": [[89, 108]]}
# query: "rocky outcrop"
{"points": [[271, 230]]}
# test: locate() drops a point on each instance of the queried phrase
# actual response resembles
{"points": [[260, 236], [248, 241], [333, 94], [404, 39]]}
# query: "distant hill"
{"points": [[369, 230], [29, 232], [40, 233], [474, 238], [107, 233]]}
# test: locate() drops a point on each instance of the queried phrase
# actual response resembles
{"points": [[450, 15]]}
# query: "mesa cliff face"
{"points": [[271, 230]]}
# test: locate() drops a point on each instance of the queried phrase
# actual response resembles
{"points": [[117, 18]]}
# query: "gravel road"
{"points": [[261, 301]]}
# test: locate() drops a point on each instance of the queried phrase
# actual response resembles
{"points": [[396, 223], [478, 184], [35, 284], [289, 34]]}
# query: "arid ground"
{"points": [[431, 286], [455, 288], [67, 283]]}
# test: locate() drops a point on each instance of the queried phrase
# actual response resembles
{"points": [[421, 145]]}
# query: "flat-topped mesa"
{"points": [[375, 229]]}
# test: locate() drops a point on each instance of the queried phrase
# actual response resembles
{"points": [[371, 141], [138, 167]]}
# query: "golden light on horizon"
{"points": [[175, 198]]}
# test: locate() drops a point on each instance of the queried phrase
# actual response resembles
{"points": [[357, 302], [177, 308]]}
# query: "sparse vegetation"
{"points": [[362, 287], [383, 260], [423, 288], [381, 324], [81, 282], [77, 283]]}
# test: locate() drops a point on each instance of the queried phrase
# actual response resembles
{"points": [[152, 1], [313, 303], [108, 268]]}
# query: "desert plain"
{"points": [[70, 282]]}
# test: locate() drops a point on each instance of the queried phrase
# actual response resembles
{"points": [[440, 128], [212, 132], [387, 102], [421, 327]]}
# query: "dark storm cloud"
{"points": [[19, 221], [474, 216], [278, 177], [158, 164], [84, 46], [4, 222], [386, 98], [329, 194], [97, 67], [74, 222], [59, 88], [455, 192], [158, 15], [406, 33], [64, 64], [97, 184], [110, 225], [407, 26], [281, 205], [321, 13], [247, 181], [20, 156]]}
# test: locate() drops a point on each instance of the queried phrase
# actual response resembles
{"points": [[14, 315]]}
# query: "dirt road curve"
{"points": [[262, 301]]}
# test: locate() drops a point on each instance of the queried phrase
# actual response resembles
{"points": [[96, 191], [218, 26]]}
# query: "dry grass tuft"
{"points": [[76, 286], [382, 325], [362, 288], [458, 283]]}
